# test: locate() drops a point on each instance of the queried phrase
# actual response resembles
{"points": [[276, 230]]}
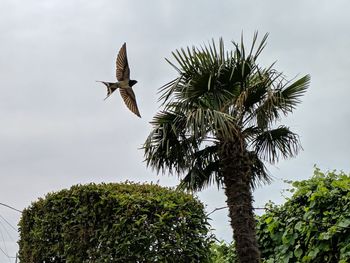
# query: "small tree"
{"points": [[218, 125], [114, 223]]}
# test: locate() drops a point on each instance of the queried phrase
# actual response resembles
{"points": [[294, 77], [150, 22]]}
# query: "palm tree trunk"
{"points": [[237, 176]]}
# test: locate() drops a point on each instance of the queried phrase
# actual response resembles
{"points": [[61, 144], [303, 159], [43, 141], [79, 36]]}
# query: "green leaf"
{"points": [[268, 220], [344, 223], [325, 236], [298, 226], [313, 253], [298, 253]]}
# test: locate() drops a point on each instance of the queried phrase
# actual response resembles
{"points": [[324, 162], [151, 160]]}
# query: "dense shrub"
{"points": [[223, 253], [114, 223], [312, 226]]}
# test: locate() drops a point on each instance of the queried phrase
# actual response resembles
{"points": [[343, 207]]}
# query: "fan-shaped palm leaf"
{"points": [[271, 144]]}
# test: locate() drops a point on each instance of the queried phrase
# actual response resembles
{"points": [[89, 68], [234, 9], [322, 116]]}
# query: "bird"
{"points": [[124, 83]]}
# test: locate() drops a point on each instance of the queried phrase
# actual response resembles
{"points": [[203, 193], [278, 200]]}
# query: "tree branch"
{"points": [[223, 207]]}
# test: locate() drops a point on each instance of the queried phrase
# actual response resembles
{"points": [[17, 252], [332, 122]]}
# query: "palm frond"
{"points": [[272, 144], [250, 133], [201, 121], [168, 89], [257, 91], [261, 45], [197, 67], [266, 103], [203, 171], [167, 147], [197, 178], [260, 172], [290, 94]]}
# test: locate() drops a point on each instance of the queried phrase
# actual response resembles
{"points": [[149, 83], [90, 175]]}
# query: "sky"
{"points": [[57, 131]]}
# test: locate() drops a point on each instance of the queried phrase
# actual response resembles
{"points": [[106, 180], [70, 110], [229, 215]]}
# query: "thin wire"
{"points": [[3, 240], [8, 233], [8, 206], [14, 228], [6, 254]]}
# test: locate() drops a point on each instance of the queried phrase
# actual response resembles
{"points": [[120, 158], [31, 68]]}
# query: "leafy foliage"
{"points": [[312, 226], [114, 223], [218, 95], [223, 253]]}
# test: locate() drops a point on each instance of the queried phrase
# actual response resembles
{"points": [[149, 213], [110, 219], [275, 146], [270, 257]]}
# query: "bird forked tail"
{"points": [[111, 87]]}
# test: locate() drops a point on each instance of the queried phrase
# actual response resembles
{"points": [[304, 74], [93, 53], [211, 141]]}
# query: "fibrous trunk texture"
{"points": [[237, 176]]}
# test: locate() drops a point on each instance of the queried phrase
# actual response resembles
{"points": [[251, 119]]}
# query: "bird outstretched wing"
{"points": [[123, 70], [129, 98]]}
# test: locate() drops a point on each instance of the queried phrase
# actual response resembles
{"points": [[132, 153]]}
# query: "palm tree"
{"points": [[219, 125]]}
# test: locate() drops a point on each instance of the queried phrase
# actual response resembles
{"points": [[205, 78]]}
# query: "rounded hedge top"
{"points": [[125, 222]]}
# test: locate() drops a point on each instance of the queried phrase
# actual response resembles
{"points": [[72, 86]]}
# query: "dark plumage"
{"points": [[124, 82]]}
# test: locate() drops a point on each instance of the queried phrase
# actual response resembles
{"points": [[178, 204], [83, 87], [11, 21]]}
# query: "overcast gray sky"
{"points": [[57, 131]]}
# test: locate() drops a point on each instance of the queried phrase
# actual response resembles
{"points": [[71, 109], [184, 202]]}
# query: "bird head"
{"points": [[132, 82]]}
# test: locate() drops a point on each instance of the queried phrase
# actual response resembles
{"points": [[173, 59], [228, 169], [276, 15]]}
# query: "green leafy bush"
{"points": [[223, 253], [312, 226], [114, 223]]}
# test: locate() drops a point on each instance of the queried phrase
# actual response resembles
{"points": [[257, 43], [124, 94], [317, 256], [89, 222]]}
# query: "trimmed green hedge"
{"points": [[115, 223]]}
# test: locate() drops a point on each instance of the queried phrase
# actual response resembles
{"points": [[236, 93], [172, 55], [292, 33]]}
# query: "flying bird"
{"points": [[124, 82]]}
